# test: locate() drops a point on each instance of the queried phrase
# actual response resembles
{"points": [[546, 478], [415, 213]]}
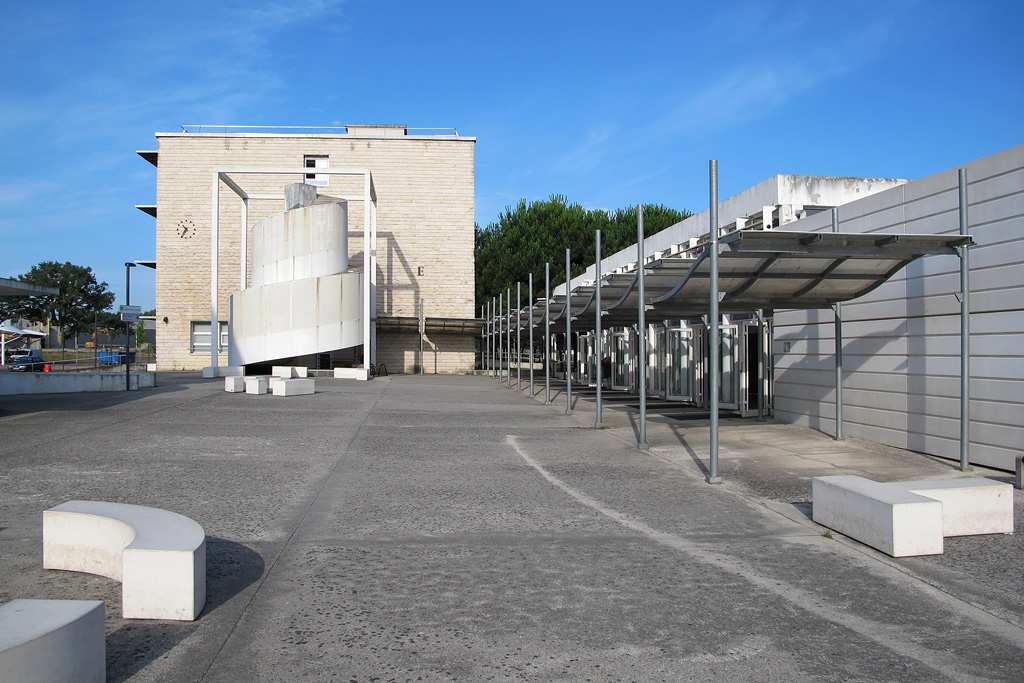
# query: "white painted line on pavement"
{"points": [[892, 636]]}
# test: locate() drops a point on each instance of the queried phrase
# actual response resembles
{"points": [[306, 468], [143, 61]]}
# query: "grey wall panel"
{"points": [[902, 341]]}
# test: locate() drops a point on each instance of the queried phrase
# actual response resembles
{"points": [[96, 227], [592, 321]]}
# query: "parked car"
{"points": [[28, 362]]}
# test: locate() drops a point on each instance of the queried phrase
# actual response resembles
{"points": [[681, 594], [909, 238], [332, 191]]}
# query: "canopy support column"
{"points": [[598, 353], [519, 336], [529, 306], [965, 332], [547, 333], [837, 308], [641, 340], [568, 336], [500, 332], [714, 333], [508, 333]]}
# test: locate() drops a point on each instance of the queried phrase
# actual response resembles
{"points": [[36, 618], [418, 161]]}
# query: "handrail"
{"points": [[197, 128]]}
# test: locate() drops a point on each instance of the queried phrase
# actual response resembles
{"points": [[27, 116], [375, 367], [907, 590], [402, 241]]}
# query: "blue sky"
{"points": [[610, 104]]}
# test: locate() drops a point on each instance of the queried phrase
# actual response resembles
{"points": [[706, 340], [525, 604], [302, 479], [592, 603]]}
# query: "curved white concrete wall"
{"points": [[301, 300], [302, 243], [297, 318]]}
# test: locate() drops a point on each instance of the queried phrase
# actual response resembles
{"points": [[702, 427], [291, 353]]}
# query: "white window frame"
{"points": [[317, 161], [200, 329]]}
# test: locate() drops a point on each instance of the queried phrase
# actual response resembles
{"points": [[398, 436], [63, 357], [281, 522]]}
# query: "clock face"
{"points": [[186, 229]]}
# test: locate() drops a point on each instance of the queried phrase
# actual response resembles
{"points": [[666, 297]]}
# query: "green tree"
{"points": [[74, 308], [526, 237]]}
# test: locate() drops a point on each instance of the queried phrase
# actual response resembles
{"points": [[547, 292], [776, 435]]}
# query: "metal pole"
{"points": [[519, 336], [547, 333], [641, 339], [422, 325], [965, 332], [500, 331], [529, 306], [487, 336], [508, 332], [837, 308], [568, 337], [762, 366], [714, 333], [127, 328], [598, 356]]}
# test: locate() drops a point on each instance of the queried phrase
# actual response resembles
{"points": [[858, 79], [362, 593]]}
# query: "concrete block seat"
{"points": [[234, 384], [906, 518], [292, 387], [257, 384], [52, 641], [158, 556]]}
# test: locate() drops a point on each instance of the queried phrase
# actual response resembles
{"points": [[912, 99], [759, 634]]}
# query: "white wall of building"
{"points": [[901, 351]]}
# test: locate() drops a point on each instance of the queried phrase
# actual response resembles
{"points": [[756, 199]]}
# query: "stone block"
{"points": [[906, 518], [294, 387], [257, 385], [234, 384], [352, 373]]}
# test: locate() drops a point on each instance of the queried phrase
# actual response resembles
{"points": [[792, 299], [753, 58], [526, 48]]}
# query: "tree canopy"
{"points": [[526, 237], [73, 309]]}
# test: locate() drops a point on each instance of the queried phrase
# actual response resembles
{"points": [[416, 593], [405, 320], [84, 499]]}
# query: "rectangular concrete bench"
{"points": [[52, 641], [908, 518], [362, 374], [293, 387], [158, 556], [290, 371]]}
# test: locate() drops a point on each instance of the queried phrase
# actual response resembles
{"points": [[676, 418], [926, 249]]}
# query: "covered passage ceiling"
{"points": [[758, 270]]}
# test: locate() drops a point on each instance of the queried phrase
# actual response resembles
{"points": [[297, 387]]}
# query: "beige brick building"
{"points": [[424, 185]]}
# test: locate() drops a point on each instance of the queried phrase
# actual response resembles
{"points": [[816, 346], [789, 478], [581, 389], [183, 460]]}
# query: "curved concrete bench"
{"points": [[52, 640], [158, 556]]}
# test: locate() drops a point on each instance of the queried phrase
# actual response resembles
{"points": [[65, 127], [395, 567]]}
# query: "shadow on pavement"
{"points": [[230, 569]]}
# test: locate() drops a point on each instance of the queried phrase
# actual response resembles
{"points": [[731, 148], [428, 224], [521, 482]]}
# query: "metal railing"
{"points": [[198, 128]]}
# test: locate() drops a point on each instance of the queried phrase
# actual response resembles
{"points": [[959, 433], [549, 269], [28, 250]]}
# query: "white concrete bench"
{"points": [[361, 374], [257, 385], [293, 387], [905, 518], [52, 641], [234, 384], [158, 556], [290, 371]]}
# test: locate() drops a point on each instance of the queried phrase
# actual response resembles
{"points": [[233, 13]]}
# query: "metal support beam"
{"points": [[641, 340], [501, 331], [598, 353], [519, 336], [568, 336], [838, 310], [508, 332], [529, 307], [547, 334], [965, 332], [762, 364], [714, 333]]}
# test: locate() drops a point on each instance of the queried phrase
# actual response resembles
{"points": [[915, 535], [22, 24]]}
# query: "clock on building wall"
{"points": [[186, 229]]}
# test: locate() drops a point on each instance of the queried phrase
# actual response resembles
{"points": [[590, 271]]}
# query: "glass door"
{"points": [[656, 362], [621, 364], [732, 367], [679, 364]]}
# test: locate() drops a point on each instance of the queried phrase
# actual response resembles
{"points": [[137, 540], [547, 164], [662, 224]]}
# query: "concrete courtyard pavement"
{"points": [[451, 528]]}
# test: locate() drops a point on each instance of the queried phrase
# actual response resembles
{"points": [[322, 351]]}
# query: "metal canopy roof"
{"points": [[758, 270]]}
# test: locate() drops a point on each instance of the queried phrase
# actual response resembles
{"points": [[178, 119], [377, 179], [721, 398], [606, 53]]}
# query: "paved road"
{"points": [[449, 528]]}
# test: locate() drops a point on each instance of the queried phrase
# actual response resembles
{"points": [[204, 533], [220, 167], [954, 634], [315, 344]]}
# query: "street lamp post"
{"points": [[127, 326]]}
